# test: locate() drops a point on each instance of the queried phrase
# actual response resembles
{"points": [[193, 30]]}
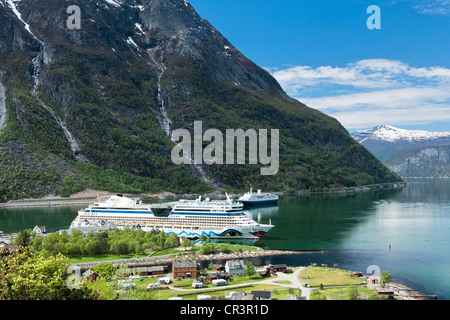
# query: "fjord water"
{"points": [[353, 230], [404, 231]]}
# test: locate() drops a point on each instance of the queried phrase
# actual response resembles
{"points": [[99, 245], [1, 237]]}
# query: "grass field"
{"points": [[327, 277]]}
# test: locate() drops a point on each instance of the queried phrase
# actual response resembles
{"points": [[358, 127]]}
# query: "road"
{"points": [[293, 279]]}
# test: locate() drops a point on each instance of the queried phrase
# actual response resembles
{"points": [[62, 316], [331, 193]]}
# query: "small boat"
{"points": [[259, 198]]}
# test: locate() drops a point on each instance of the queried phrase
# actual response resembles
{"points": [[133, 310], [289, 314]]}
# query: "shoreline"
{"points": [[149, 260], [89, 196]]}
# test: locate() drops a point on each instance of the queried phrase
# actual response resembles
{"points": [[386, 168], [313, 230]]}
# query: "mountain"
{"points": [[95, 106], [409, 153], [430, 162], [384, 141]]}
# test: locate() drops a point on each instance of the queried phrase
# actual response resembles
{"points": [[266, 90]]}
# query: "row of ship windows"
{"points": [[208, 213], [185, 219], [215, 222]]}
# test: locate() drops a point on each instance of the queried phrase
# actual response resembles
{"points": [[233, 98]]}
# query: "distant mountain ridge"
{"points": [[409, 153], [427, 162], [385, 140], [393, 134]]}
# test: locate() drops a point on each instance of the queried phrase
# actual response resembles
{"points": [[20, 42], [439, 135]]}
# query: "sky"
{"points": [[323, 53]]}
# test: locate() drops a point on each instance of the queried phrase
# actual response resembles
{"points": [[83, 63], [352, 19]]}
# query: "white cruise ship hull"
{"points": [[253, 232]]}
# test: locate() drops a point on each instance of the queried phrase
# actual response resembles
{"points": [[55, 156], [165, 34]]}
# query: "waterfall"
{"points": [[36, 73], [2, 107], [164, 120], [69, 136]]}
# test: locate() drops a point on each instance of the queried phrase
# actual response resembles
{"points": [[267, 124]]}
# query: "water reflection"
{"points": [[16, 219], [318, 221], [262, 214]]}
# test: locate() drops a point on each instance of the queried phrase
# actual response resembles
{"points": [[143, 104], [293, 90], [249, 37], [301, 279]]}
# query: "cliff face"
{"points": [[97, 105], [430, 162]]}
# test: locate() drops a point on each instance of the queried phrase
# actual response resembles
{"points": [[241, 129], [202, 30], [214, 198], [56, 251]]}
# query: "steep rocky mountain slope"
{"points": [[95, 106], [429, 162]]}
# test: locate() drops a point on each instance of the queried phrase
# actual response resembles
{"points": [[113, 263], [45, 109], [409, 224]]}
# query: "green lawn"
{"points": [[105, 257], [327, 277], [342, 293]]}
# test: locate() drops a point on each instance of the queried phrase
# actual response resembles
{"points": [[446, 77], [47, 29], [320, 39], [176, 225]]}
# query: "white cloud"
{"points": [[372, 91], [430, 7], [369, 73], [434, 7]]}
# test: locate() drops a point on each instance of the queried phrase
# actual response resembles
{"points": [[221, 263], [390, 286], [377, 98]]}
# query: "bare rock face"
{"points": [[13, 34], [427, 162]]}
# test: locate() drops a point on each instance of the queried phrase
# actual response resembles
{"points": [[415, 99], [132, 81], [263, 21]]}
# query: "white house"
{"points": [[235, 267], [39, 231]]}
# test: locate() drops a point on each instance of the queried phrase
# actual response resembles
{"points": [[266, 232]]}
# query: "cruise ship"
{"points": [[217, 219], [258, 198]]}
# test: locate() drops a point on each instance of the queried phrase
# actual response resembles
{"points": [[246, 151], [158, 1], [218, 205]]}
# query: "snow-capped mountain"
{"points": [[385, 140], [393, 134], [409, 153]]}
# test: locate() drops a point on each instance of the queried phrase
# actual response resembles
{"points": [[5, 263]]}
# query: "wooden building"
{"points": [[185, 269], [276, 268], [145, 271]]}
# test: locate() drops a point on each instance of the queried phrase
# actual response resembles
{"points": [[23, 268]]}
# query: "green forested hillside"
{"points": [[98, 88]]}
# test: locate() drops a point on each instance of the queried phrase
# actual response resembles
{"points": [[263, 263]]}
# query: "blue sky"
{"points": [[323, 54]]}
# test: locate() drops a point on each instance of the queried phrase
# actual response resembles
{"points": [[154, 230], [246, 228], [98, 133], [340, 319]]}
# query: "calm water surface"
{"points": [[355, 230]]}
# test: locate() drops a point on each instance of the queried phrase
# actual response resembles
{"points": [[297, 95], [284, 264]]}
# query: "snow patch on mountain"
{"points": [[12, 6], [392, 134], [114, 3]]}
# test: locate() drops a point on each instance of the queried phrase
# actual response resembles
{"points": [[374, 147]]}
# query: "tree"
{"points": [[187, 243], [385, 277], [224, 248], [172, 241], [105, 270], [29, 276], [119, 247], [206, 249], [23, 239], [249, 269]]}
